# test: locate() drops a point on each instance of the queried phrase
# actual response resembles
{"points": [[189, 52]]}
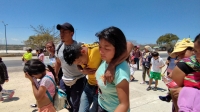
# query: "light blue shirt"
{"points": [[108, 98]]}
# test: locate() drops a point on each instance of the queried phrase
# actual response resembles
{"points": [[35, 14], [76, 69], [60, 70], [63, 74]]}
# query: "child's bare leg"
{"points": [[150, 82], [156, 83]]}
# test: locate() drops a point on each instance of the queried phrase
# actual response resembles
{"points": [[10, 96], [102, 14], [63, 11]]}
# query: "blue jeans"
{"points": [[137, 62], [74, 93], [88, 96]]}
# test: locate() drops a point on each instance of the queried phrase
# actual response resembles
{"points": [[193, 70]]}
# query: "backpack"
{"points": [[60, 99], [148, 61], [59, 47]]}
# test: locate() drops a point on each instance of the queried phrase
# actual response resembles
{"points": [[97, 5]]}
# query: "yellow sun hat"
{"points": [[181, 46]]}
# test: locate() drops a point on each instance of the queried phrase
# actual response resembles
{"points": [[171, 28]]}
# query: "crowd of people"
{"points": [[109, 66]]}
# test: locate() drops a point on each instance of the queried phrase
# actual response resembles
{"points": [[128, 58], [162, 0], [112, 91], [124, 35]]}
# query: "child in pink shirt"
{"points": [[36, 69]]}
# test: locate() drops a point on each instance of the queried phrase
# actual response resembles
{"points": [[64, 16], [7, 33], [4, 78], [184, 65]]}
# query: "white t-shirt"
{"points": [[133, 68], [155, 64]]}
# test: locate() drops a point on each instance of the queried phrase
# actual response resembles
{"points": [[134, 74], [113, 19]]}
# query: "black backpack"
{"points": [[147, 63]]}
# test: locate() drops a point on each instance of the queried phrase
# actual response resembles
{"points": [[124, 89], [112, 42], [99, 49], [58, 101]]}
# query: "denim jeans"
{"points": [[137, 62], [74, 93], [100, 109], [89, 96]]}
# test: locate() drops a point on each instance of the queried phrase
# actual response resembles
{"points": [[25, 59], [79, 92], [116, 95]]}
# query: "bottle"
{"points": [[169, 82]]}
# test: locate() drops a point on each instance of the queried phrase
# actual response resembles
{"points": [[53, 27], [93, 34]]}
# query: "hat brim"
{"points": [[59, 27], [173, 54]]}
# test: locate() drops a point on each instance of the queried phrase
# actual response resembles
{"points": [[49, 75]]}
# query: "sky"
{"points": [[141, 20]]}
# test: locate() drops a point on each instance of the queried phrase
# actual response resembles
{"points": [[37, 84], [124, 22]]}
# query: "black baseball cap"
{"points": [[65, 26]]}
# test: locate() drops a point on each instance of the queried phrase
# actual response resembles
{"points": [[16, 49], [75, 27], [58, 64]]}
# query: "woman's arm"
{"points": [[167, 62], [178, 76], [123, 95]]}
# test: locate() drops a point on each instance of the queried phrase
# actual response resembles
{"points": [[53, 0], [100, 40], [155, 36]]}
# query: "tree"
{"points": [[167, 40], [42, 36], [38, 41]]}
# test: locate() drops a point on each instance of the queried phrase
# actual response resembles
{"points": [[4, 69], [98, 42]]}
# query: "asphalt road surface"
{"points": [[16, 65], [13, 63]]}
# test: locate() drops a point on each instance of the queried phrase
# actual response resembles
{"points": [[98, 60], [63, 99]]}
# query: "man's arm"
{"points": [[57, 67], [86, 71], [124, 55], [109, 74]]}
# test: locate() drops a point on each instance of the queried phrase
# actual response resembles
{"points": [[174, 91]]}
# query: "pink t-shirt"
{"points": [[46, 82]]}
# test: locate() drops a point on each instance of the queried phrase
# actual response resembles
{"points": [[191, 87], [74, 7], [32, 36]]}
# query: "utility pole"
{"points": [[5, 36]]}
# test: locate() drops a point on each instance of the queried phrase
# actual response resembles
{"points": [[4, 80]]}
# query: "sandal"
{"points": [[33, 105], [133, 79], [155, 88], [149, 88]]}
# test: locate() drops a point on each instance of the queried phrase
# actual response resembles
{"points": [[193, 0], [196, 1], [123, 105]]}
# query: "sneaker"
{"points": [[11, 95], [165, 98], [155, 88], [142, 82], [149, 88], [1, 99]]}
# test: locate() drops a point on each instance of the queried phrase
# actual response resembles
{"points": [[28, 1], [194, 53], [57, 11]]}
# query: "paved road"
{"points": [[13, 63], [18, 63], [163, 55]]}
